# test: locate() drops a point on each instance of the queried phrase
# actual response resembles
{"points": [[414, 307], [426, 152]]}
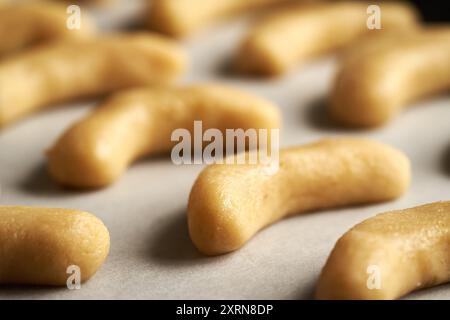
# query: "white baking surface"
{"points": [[151, 255]]}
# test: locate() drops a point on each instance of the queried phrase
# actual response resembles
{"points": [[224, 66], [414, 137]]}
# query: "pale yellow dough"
{"points": [[228, 204], [183, 17], [69, 70], [26, 25], [98, 149], [292, 36], [378, 78], [409, 247], [37, 245]]}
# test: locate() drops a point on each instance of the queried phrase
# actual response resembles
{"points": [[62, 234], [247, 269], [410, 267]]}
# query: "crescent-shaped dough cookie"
{"points": [[131, 124], [382, 76], [406, 250], [68, 70], [294, 35], [229, 204]]}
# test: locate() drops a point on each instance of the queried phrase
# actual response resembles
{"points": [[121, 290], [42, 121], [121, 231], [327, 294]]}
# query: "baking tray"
{"points": [[151, 254]]}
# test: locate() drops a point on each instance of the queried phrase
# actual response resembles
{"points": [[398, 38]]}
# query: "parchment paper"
{"points": [[151, 255]]}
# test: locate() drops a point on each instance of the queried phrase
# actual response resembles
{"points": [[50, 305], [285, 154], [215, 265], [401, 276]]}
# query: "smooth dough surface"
{"points": [[228, 204], [409, 248], [37, 245]]}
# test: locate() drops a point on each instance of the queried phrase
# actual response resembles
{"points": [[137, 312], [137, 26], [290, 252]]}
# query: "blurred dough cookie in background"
{"points": [[25, 25], [293, 35], [379, 77], [182, 17], [70, 70]]}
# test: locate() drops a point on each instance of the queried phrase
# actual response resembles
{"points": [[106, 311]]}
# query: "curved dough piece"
{"points": [[182, 17], [410, 249], [230, 203], [381, 77], [294, 35], [96, 150], [37, 245], [65, 71], [25, 25]]}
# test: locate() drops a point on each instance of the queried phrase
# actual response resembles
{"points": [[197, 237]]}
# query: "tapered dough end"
{"points": [[95, 246], [40, 244], [73, 164], [247, 111], [255, 57], [213, 227], [164, 17], [167, 60], [391, 168], [344, 277], [358, 100]]}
